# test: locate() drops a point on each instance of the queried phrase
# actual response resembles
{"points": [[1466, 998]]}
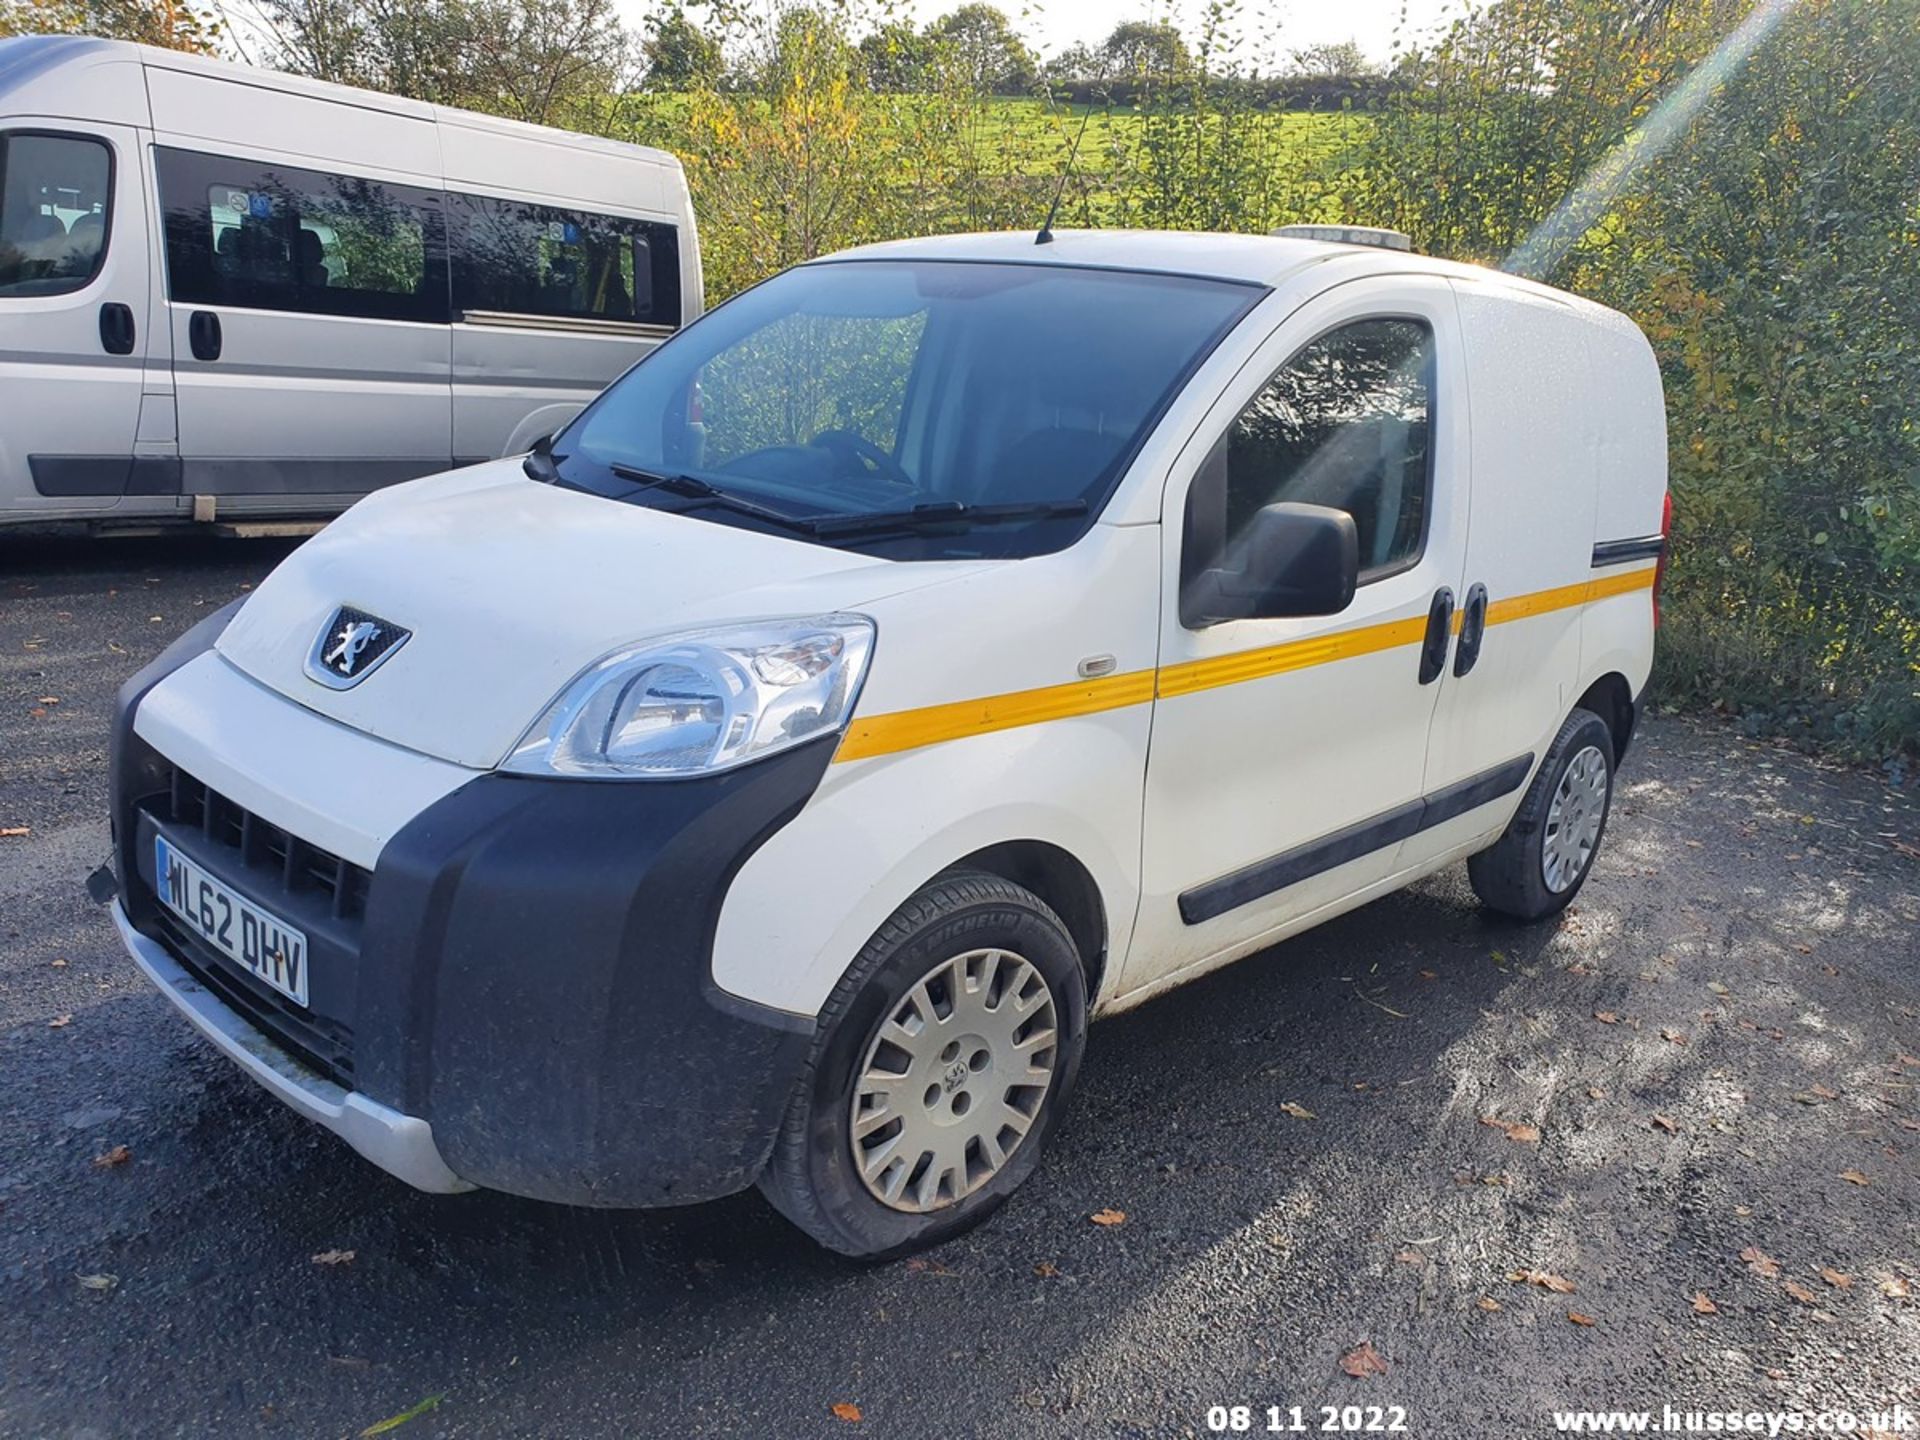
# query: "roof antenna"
{"points": [[1045, 237]]}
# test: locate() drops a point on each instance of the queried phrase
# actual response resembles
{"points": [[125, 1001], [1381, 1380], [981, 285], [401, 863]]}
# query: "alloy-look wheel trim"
{"points": [[1573, 820], [953, 1079]]}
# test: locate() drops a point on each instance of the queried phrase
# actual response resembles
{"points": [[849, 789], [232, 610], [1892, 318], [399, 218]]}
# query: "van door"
{"points": [[1536, 438], [74, 332], [1287, 754]]}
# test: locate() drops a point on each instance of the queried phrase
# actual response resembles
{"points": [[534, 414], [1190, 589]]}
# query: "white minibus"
{"points": [[229, 294]]}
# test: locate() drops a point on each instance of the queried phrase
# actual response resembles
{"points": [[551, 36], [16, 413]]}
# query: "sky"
{"points": [[1281, 25]]}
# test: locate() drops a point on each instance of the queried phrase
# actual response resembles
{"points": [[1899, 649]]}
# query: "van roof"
{"points": [[35, 57], [1270, 260]]}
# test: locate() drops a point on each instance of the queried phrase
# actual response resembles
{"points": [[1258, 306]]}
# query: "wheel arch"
{"points": [[1611, 698], [1064, 884]]}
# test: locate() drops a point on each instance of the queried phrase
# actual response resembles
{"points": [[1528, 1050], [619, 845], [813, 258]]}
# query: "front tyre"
{"points": [[1540, 862], [944, 1058]]}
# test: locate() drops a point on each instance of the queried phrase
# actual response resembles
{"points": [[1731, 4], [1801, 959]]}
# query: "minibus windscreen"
{"points": [[917, 409]]}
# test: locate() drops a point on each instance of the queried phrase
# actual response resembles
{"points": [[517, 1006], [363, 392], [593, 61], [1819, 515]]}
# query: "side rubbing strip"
{"points": [[1303, 862], [1620, 552]]}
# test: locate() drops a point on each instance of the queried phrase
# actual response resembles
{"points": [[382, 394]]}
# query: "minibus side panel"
{"points": [[306, 293]]}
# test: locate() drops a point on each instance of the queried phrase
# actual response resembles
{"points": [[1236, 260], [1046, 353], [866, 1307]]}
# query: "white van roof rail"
{"points": [[1348, 235]]}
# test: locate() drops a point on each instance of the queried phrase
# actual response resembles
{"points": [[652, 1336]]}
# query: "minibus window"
{"points": [[274, 237], [55, 203], [918, 409], [1346, 423], [514, 257]]}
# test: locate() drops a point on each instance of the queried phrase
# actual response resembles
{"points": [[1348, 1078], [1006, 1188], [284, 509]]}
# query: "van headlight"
{"points": [[702, 701]]}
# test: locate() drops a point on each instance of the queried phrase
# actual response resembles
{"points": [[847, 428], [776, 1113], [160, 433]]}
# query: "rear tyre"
{"points": [[1539, 864], [943, 1061]]}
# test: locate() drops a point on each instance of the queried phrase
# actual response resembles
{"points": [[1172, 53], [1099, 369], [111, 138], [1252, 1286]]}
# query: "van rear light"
{"points": [[1666, 545]]}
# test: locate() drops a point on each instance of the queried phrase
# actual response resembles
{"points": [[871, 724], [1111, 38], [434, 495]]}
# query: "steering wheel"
{"points": [[863, 454]]}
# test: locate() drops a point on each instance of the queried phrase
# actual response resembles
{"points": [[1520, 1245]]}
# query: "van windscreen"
{"points": [[921, 409]]}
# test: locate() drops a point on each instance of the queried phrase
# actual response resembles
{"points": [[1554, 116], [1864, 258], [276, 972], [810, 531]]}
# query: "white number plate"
{"points": [[270, 949]]}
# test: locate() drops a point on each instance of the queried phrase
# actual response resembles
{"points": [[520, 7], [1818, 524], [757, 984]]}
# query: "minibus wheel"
{"points": [[943, 1060], [1540, 862]]}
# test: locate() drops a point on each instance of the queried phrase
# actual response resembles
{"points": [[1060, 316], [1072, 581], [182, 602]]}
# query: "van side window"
{"points": [[514, 257], [1346, 422], [272, 237], [55, 205]]}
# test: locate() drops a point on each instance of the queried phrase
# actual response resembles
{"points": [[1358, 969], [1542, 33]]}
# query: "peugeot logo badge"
{"points": [[351, 646]]}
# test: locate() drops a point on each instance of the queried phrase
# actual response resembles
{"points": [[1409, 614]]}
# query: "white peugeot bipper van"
{"points": [[934, 647], [233, 295]]}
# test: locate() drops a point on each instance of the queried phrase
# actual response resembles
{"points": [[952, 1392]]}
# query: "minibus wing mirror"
{"points": [[1289, 560]]}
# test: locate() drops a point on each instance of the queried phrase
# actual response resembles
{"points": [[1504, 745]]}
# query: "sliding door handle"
{"points": [[1433, 650], [116, 328], [1473, 629], [203, 335]]}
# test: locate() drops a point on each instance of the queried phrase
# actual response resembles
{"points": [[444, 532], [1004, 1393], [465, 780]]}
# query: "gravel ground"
{"points": [[1716, 1053]]}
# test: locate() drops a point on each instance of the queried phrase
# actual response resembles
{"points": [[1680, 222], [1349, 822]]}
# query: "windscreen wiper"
{"points": [[941, 514], [698, 490]]}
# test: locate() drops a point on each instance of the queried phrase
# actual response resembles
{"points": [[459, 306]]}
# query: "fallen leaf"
{"points": [[38, 712], [394, 1422], [1800, 1292], [1823, 1092], [60, 1022], [98, 1282], [1606, 1017], [1663, 1122], [1594, 1092], [1702, 1305], [58, 964], [1761, 1263], [1854, 1177], [1577, 1318], [1363, 1360], [1488, 1303], [1410, 1257], [14, 832], [1674, 1037], [334, 1257], [48, 700], [850, 1413], [1515, 1130], [1046, 1270], [923, 1265], [1428, 975], [1896, 1288], [1108, 1217], [1836, 1279], [1298, 1112], [1560, 1285], [118, 1155], [1717, 988]]}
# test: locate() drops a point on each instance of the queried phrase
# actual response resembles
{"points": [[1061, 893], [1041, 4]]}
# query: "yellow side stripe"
{"points": [[899, 730], [910, 729]]}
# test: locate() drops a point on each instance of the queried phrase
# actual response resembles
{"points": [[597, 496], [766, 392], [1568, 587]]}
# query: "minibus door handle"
{"points": [[1473, 628], [116, 328], [203, 334], [1433, 650]]}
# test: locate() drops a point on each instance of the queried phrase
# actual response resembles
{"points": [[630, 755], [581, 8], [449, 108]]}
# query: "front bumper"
{"points": [[517, 995], [402, 1145]]}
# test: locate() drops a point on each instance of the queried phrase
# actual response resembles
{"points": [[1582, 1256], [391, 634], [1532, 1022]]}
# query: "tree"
{"points": [[991, 57], [173, 24], [1342, 61], [1076, 64], [1144, 48], [550, 62], [899, 60], [680, 55]]}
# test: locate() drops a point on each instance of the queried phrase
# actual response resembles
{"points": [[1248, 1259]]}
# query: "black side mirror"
{"points": [[539, 464], [1291, 559]]}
